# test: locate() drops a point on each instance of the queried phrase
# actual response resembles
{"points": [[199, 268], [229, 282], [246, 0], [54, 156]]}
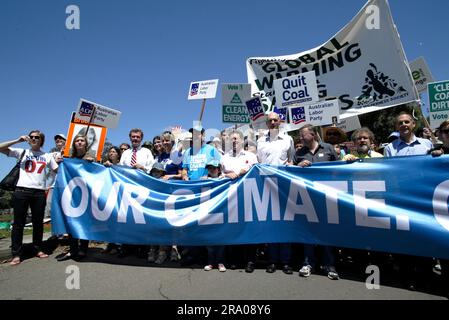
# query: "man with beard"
{"points": [[363, 139]]}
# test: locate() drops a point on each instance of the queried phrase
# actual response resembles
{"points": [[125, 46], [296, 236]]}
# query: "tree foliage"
{"points": [[5, 199]]}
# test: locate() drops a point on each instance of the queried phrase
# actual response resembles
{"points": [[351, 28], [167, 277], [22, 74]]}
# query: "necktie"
{"points": [[134, 157]]}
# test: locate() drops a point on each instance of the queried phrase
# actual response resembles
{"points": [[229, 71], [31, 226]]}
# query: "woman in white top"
{"points": [[30, 190]]}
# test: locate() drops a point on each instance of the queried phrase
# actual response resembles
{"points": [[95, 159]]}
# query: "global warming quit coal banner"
{"points": [[364, 65], [392, 204]]}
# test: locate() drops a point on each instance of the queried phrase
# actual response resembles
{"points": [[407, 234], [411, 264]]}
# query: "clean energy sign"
{"points": [[233, 98], [438, 102]]}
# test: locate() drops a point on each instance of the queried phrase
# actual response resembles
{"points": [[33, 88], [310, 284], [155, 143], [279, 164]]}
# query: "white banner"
{"points": [[363, 65]]}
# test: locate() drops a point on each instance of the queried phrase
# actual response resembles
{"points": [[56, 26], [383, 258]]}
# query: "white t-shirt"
{"points": [[275, 151], [32, 167], [243, 160]]}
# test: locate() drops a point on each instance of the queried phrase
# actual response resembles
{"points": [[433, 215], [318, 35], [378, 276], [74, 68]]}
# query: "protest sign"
{"points": [[97, 114], [206, 89], [421, 74], [349, 124], [233, 97], [323, 113], [438, 102], [95, 136], [256, 113], [296, 90]]}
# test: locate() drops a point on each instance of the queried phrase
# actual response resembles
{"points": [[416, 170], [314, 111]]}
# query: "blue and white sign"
{"points": [[297, 117], [103, 116], [206, 89], [372, 204], [299, 89], [256, 113]]}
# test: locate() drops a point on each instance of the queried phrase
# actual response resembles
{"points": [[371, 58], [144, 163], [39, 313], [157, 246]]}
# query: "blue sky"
{"points": [[139, 57]]}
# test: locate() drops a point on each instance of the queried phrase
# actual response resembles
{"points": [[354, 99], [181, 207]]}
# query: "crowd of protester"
{"points": [[187, 156]]}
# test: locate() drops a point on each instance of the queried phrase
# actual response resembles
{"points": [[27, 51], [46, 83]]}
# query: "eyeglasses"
{"points": [[332, 133], [35, 137], [446, 131]]}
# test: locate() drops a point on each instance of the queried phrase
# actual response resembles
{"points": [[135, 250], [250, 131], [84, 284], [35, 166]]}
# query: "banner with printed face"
{"points": [[372, 204], [363, 65], [95, 136]]}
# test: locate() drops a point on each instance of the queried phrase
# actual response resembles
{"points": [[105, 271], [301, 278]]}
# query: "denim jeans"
{"points": [[280, 253], [24, 198], [215, 254], [327, 256]]}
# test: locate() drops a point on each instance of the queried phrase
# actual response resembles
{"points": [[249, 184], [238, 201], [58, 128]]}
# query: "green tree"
{"points": [[5, 199], [382, 122]]}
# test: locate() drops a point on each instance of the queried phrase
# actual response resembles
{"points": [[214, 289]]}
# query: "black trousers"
{"points": [[24, 198]]}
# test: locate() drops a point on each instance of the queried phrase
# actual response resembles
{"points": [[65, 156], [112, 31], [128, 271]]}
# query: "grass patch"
{"points": [[27, 231]]}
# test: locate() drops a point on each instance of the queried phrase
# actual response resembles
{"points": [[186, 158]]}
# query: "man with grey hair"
{"points": [[363, 139]]}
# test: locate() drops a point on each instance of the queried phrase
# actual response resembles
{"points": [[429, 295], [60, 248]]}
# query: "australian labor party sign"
{"points": [[299, 89], [233, 97], [97, 114], [323, 113], [203, 89]]}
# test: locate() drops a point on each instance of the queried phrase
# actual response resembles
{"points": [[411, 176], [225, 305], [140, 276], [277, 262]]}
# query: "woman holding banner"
{"points": [[79, 150]]}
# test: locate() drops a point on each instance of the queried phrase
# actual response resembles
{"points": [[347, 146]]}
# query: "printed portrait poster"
{"points": [[96, 137]]}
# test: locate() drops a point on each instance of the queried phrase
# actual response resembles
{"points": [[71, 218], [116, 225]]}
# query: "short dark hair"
{"points": [[41, 135], [136, 130]]}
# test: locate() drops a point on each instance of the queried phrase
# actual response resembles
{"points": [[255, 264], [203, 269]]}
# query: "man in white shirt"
{"points": [[276, 148], [137, 157], [236, 162], [140, 159]]}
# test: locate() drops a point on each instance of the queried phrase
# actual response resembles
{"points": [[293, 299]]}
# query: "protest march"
{"points": [[297, 165]]}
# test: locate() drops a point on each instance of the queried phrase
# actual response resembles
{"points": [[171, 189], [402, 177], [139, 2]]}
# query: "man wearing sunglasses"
{"points": [[30, 190]]}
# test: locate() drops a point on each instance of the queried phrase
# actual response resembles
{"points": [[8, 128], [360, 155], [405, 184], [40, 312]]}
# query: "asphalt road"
{"points": [[104, 277]]}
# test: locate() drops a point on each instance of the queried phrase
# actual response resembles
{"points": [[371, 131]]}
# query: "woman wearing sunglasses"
{"points": [[30, 191]]}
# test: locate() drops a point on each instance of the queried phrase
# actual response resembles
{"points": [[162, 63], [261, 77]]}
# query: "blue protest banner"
{"points": [[393, 204]]}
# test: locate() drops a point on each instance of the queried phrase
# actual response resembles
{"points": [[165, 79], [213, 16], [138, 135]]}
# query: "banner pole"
{"points": [[90, 120], [202, 109], [427, 124]]}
